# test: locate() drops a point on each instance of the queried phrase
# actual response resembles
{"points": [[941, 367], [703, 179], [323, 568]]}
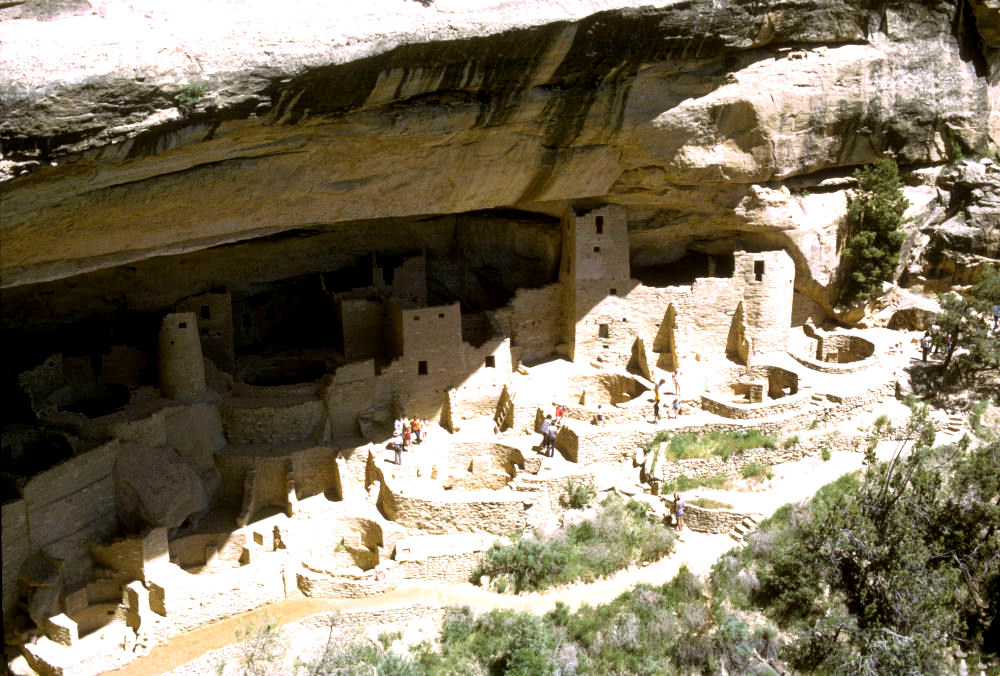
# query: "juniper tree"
{"points": [[874, 214]]}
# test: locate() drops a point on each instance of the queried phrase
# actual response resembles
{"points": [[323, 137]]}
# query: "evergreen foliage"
{"points": [[968, 320], [874, 215]]}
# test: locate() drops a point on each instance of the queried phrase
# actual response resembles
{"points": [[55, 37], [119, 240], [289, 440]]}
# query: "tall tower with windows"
{"points": [[595, 276]]}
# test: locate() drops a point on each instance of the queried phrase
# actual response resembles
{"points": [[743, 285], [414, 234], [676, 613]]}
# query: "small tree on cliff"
{"points": [[874, 214], [968, 319]]}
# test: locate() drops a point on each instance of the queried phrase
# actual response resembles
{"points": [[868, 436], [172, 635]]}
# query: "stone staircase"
{"points": [[954, 423], [744, 528]]}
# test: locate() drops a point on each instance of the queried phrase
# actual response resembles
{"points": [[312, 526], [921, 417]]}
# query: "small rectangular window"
{"points": [[613, 292], [182, 325], [416, 318], [758, 270], [440, 315], [600, 225], [602, 331], [597, 249], [421, 368], [206, 312], [491, 362]]}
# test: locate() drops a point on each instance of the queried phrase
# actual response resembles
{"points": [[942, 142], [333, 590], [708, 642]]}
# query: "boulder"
{"points": [[155, 488]]}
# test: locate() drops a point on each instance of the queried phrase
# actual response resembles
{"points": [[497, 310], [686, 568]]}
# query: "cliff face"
{"points": [[718, 124]]}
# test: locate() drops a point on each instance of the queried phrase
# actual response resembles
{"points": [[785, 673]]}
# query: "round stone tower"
{"points": [[182, 368]]}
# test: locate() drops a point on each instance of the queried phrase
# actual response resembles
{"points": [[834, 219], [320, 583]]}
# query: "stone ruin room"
{"points": [[592, 258]]}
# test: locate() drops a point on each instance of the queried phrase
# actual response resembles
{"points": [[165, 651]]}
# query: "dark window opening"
{"points": [[602, 331], [600, 225], [597, 249], [758, 270], [440, 315], [246, 320], [416, 318], [206, 312], [613, 292], [421, 368], [491, 362], [182, 325]]}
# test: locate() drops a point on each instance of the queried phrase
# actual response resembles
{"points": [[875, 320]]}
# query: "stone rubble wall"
{"points": [[453, 568], [787, 404], [533, 321], [458, 512], [249, 421], [704, 520]]}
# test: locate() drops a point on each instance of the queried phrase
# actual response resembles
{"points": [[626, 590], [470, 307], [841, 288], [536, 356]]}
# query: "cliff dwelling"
{"points": [[322, 322]]}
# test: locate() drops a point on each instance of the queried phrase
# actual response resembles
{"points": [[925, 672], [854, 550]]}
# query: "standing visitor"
{"points": [[559, 412], [417, 428], [407, 437], [675, 408], [599, 418], [925, 346], [546, 424], [551, 440], [656, 404], [675, 376], [996, 315], [679, 511]]}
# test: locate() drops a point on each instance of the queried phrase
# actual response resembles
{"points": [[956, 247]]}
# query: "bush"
{"points": [[189, 95], [756, 470], [721, 443], [708, 503], [685, 483], [578, 495], [825, 454], [791, 441], [620, 535]]}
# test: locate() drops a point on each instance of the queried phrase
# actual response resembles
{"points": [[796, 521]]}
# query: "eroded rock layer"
{"points": [[719, 125]]}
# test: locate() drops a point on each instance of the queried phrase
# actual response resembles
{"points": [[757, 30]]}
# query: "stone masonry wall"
{"points": [[260, 421], [457, 512], [705, 520]]}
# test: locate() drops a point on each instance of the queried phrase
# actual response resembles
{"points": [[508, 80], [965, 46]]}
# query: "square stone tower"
{"points": [[768, 281], [595, 276]]}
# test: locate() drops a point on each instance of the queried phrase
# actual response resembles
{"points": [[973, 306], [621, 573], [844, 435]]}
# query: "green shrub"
{"points": [[708, 503], [791, 441], [190, 94], [578, 495], [756, 470], [825, 454], [685, 483], [620, 535], [721, 443]]}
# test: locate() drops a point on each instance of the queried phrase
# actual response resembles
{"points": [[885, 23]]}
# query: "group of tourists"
{"points": [[550, 430], [675, 406], [406, 432]]}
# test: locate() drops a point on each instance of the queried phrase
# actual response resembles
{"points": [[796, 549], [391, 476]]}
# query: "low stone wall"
{"points": [[502, 458], [585, 444], [446, 558], [784, 405], [313, 584], [705, 520], [498, 512]]}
